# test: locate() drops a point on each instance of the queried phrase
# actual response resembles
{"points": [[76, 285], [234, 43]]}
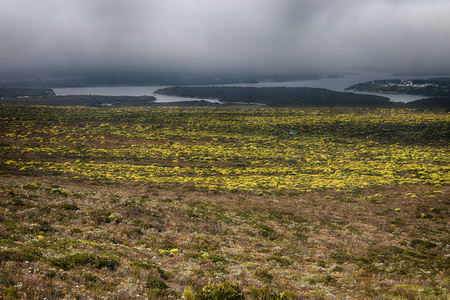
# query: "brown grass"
{"points": [[364, 244]]}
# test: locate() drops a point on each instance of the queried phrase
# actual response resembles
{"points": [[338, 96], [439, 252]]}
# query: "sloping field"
{"points": [[261, 203]]}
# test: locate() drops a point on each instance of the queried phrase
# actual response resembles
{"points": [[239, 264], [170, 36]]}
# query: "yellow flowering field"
{"points": [[196, 203], [258, 150]]}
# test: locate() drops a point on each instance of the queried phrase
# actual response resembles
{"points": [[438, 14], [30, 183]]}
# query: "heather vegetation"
{"points": [[224, 203]]}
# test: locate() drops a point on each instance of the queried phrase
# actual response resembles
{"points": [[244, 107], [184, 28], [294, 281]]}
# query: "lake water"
{"points": [[121, 91], [336, 84]]}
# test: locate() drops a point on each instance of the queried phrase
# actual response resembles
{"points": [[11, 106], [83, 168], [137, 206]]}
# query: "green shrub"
{"points": [[32, 186], [266, 231], [90, 277], [70, 261], [58, 191], [22, 255], [101, 215], [157, 287], [268, 293], [68, 206], [341, 257], [422, 244], [282, 260], [328, 279], [10, 293], [321, 264], [76, 230], [18, 202], [220, 291], [151, 267], [6, 278], [188, 293], [154, 282], [263, 274]]}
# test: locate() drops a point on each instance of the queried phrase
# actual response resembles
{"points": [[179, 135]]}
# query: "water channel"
{"points": [[331, 83]]}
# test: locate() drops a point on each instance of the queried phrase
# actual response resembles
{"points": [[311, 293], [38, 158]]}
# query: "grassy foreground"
{"points": [[260, 203]]}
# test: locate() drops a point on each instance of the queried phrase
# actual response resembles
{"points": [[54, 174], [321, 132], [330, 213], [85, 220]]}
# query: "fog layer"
{"points": [[259, 36]]}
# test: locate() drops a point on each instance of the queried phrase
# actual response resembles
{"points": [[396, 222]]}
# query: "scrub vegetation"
{"points": [[224, 203]]}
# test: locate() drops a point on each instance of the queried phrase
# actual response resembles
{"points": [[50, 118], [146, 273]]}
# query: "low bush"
{"points": [[220, 291], [99, 262], [268, 293], [22, 255]]}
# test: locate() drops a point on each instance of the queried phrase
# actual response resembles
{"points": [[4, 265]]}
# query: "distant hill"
{"points": [[24, 92], [124, 78], [277, 96]]}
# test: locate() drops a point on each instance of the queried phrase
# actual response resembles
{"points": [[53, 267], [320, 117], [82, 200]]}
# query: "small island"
{"points": [[25, 92]]}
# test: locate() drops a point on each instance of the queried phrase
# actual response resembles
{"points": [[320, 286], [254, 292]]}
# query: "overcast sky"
{"points": [[262, 36]]}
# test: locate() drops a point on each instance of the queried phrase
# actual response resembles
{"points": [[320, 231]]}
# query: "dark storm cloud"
{"points": [[273, 36]]}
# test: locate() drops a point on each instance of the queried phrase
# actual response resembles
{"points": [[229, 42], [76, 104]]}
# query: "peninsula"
{"points": [[434, 87]]}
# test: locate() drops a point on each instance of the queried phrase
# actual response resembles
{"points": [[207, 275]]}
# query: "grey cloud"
{"points": [[290, 36]]}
